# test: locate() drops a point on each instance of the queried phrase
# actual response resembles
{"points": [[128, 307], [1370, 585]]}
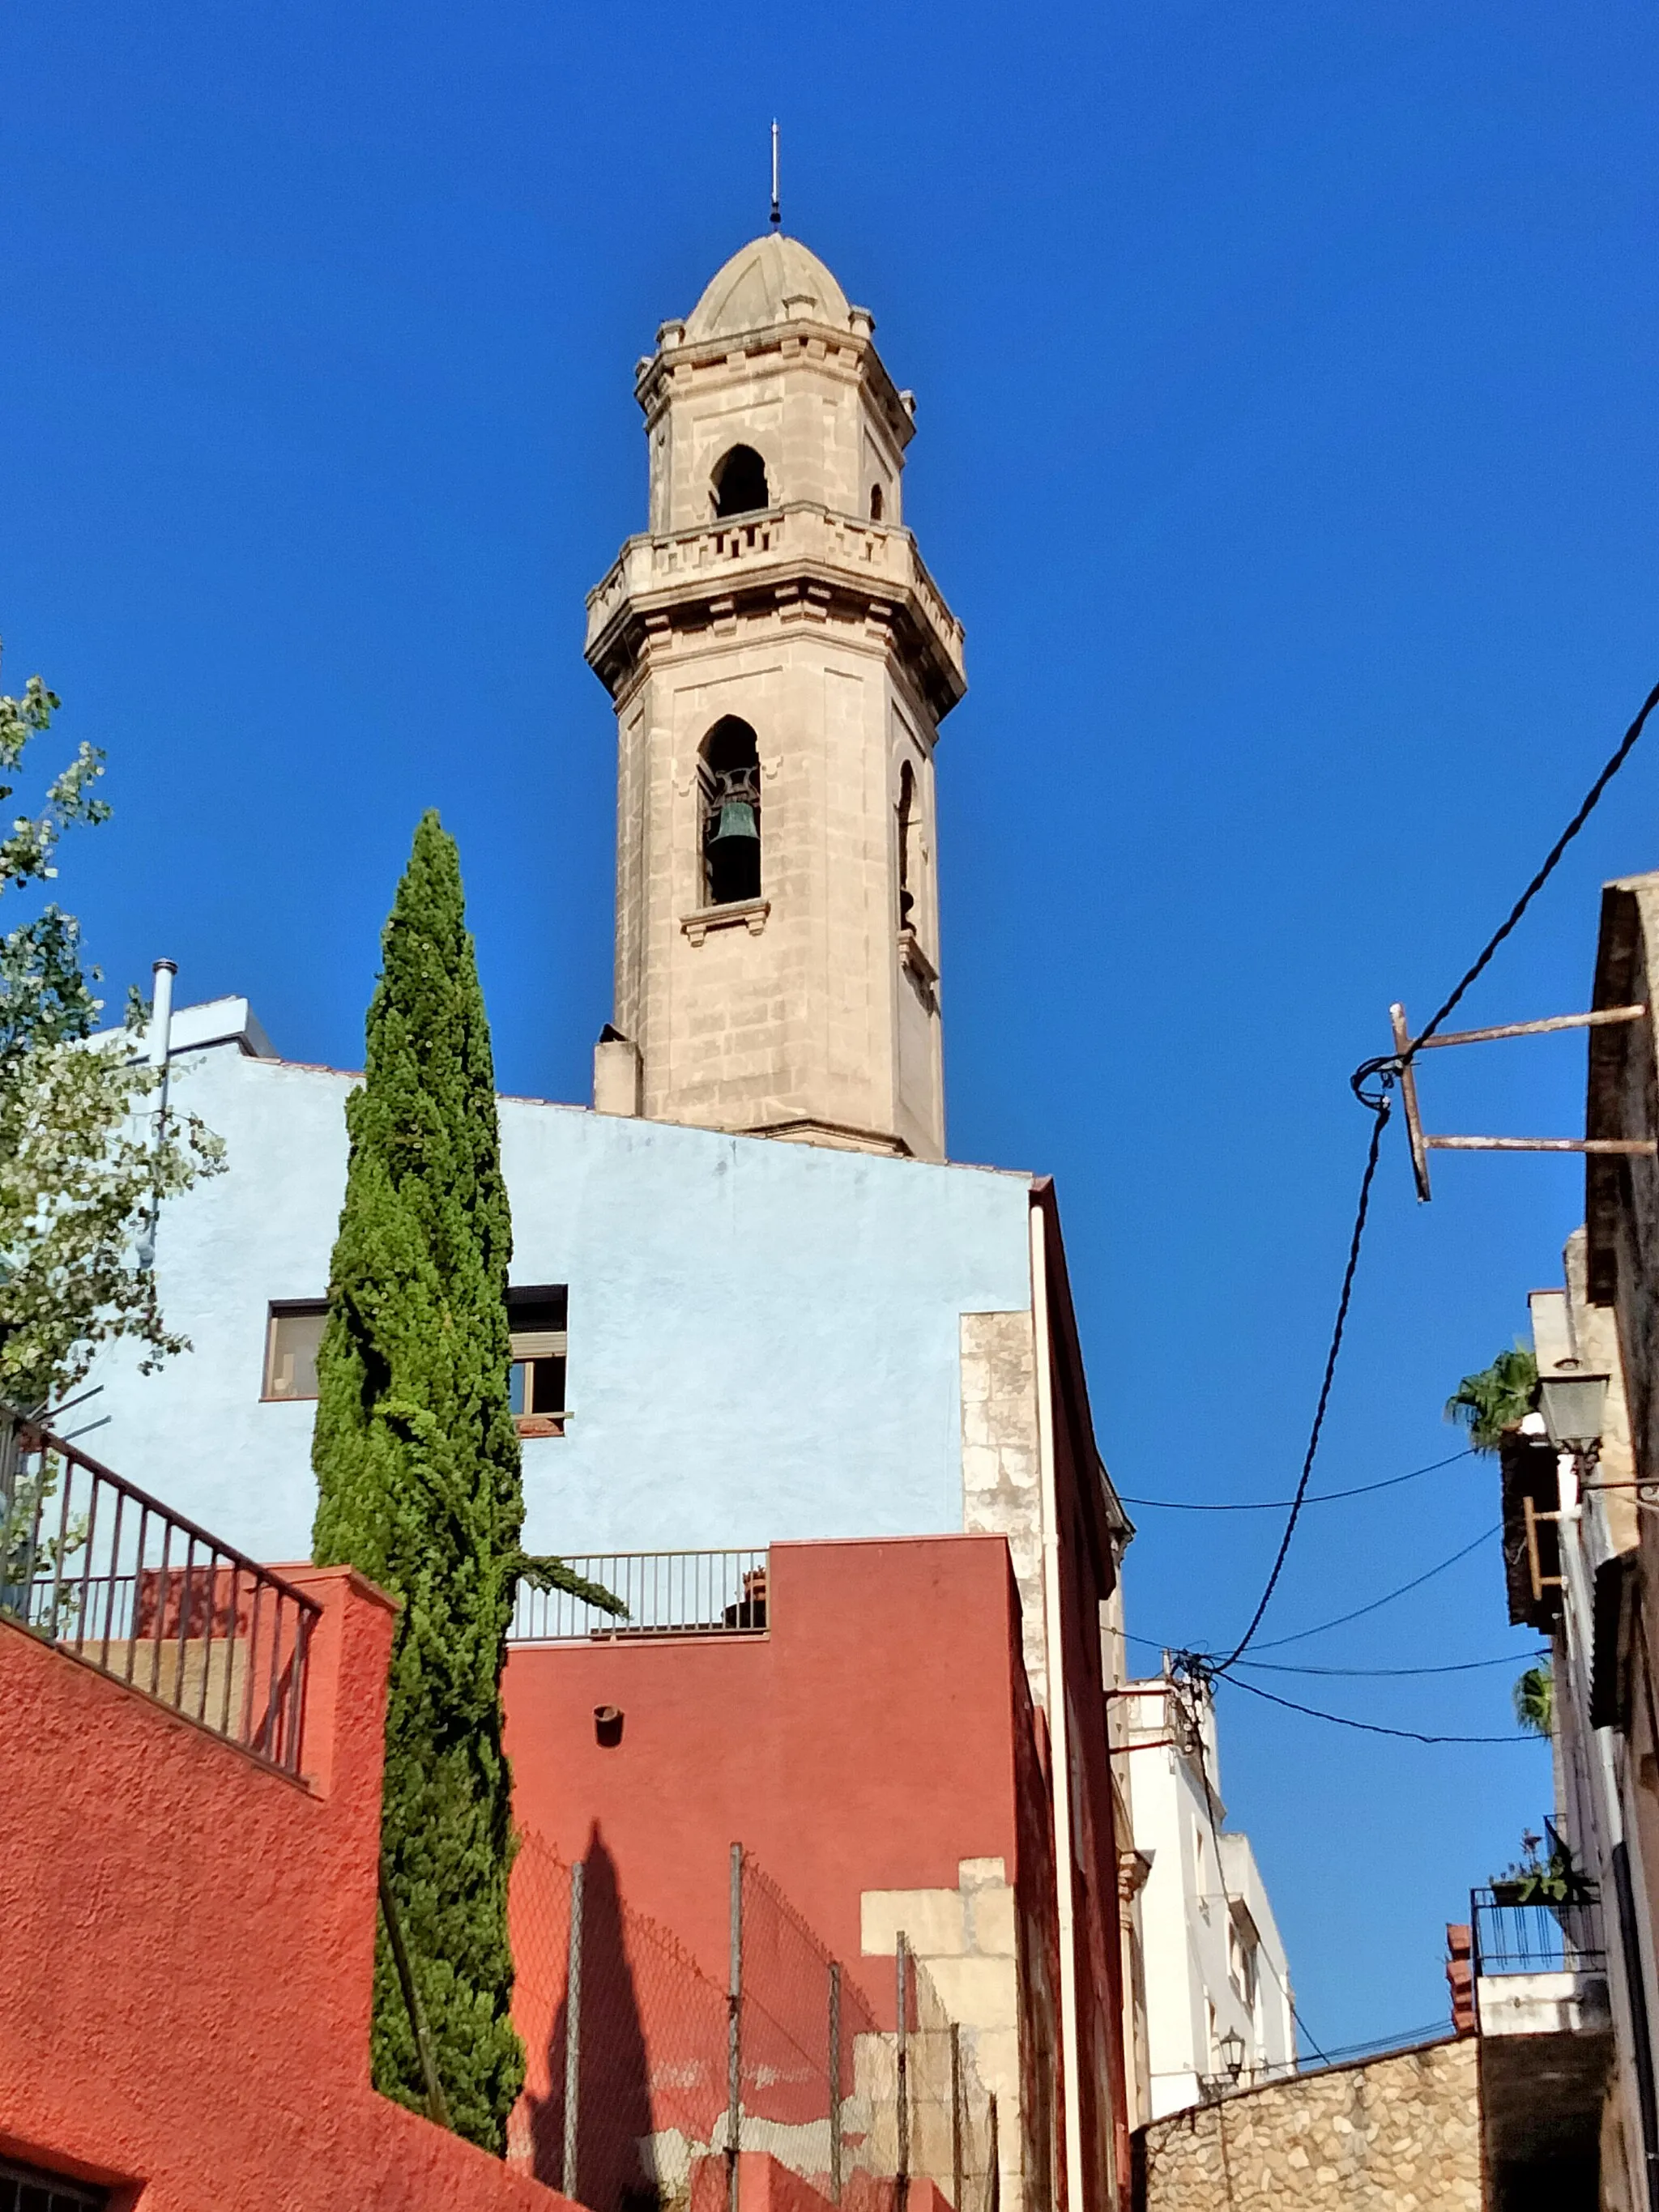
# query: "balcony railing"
{"points": [[96, 1567], [663, 1593], [1535, 1939], [883, 554]]}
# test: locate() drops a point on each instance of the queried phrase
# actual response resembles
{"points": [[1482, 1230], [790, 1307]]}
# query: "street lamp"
{"points": [[1571, 1402], [1231, 2052]]}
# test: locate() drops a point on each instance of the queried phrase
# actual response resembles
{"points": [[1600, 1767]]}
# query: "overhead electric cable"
{"points": [[1402, 2039], [1380, 1110], [1592, 798], [1392, 1673], [1367, 1728], [1276, 1504], [1383, 1072], [1277, 1642]]}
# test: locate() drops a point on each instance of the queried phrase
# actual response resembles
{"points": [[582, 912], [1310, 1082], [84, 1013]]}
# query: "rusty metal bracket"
{"points": [[1407, 1049]]}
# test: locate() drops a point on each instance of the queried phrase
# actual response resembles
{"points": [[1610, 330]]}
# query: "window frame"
{"points": [[279, 1309], [539, 1421]]}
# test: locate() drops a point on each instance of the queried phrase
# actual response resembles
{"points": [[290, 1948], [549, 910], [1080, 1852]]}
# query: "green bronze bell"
{"points": [[734, 830]]}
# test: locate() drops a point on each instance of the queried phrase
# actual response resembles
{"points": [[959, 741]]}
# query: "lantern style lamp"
{"points": [[1571, 1401], [1231, 2049]]}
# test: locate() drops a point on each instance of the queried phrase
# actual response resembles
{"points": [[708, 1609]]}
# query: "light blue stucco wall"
{"points": [[763, 1336]]}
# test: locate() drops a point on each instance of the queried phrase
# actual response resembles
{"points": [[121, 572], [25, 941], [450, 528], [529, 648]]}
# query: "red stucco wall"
{"points": [[867, 1742], [188, 1940], [880, 1733], [765, 2186]]}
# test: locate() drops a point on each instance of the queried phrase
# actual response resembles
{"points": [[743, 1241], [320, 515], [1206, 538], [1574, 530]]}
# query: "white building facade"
{"points": [[1565, 1994], [1211, 1966]]}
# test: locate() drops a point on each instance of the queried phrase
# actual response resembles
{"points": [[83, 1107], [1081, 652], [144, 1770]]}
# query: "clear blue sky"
{"points": [[1288, 443]]}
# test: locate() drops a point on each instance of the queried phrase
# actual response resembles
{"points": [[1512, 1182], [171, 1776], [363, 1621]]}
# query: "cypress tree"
{"points": [[416, 1457]]}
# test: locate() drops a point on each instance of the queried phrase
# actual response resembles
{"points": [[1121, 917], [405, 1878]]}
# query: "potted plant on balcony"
{"points": [[1557, 1880]]}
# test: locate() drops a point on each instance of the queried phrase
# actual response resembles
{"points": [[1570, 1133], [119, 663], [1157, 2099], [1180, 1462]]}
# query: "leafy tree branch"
{"points": [[82, 1164]]}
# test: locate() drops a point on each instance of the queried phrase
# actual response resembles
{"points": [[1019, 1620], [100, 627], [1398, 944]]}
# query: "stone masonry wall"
{"points": [[1398, 2134], [1000, 1493], [966, 1938]]}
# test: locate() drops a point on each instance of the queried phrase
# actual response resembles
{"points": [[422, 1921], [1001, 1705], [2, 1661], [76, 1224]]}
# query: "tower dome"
{"points": [[769, 281]]}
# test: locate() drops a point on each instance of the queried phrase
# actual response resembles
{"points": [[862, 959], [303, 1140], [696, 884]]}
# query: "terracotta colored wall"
{"points": [[868, 1741], [764, 2185], [188, 1941]]}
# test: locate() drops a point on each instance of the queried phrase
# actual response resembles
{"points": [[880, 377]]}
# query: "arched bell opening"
{"points": [[740, 485], [907, 831], [877, 501], [729, 782]]}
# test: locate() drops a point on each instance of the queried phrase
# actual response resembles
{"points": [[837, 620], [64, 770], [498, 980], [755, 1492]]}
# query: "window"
{"points": [[25, 2188], [877, 503], [729, 786], [1241, 1955], [907, 812], [293, 1335], [740, 486], [537, 1322]]}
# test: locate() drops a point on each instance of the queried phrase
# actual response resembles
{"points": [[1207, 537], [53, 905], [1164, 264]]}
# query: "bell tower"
{"points": [[781, 661]]}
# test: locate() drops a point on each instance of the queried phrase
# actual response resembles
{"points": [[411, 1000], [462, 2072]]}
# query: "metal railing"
{"points": [[663, 1593], [1533, 1939], [30, 2189], [98, 1568]]}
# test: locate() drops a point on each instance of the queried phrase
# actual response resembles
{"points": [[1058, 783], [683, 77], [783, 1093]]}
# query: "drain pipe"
{"points": [[158, 1046], [1060, 1754]]}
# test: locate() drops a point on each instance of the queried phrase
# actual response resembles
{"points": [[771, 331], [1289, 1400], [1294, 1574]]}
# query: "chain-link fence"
{"points": [[940, 2104], [624, 2034], [641, 2068], [807, 2065], [907, 2103]]}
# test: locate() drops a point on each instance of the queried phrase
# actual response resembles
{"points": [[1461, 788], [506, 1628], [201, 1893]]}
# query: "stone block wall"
{"points": [[967, 1939], [1000, 1494], [1396, 2134]]}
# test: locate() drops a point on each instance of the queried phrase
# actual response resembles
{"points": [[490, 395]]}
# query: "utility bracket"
{"points": [[1407, 1047]]}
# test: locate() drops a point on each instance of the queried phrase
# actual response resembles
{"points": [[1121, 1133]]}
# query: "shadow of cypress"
{"points": [[613, 2080]]}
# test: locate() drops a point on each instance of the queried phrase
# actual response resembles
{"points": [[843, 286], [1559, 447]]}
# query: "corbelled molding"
{"points": [[801, 562]]}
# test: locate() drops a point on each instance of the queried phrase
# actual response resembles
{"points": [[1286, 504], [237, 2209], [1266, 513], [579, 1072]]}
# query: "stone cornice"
{"points": [[852, 351], [802, 561]]}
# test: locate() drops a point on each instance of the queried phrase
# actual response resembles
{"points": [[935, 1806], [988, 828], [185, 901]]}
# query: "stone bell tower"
{"points": [[781, 661]]}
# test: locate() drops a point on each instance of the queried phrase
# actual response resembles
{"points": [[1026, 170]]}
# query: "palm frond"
{"points": [[1493, 1401], [1535, 1700]]}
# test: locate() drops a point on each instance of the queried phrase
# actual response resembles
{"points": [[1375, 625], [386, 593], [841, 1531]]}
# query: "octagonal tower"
{"points": [[781, 661]]}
